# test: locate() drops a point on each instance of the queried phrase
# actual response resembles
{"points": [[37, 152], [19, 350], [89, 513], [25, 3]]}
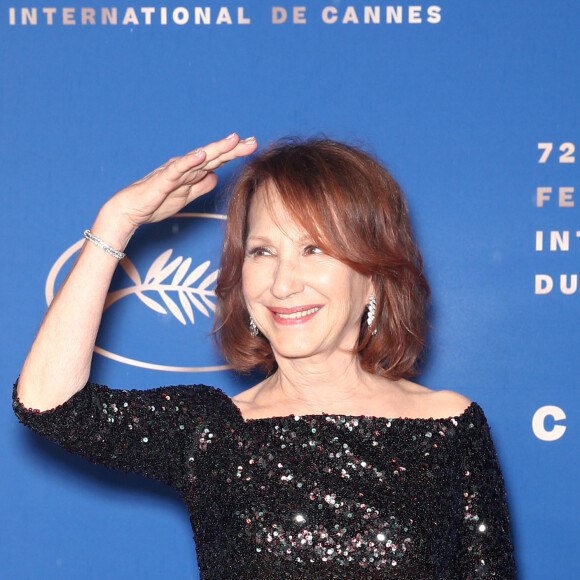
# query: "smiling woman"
{"points": [[345, 203], [288, 283], [335, 465]]}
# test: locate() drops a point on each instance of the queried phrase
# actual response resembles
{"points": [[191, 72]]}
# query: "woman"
{"points": [[336, 465]]}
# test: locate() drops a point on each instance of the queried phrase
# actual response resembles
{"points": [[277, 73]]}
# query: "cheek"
{"points": [[253, 280], [360, 289], [246, 281], [327, 282]]}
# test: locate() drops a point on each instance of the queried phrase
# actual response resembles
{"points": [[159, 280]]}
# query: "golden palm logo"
{"points": [[159, 281]]}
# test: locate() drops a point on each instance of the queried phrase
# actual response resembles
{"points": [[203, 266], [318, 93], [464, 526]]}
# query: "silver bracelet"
{"points": [[103, 245]]}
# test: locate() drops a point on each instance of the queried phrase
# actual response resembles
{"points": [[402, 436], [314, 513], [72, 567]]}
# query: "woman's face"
{"points": [[305, 302]]}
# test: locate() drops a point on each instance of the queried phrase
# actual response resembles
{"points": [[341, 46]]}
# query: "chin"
{"points": [[294, 348]]}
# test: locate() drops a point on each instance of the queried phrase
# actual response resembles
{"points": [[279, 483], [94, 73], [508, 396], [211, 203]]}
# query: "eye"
{"points": [[259, 251], [311, 249]]}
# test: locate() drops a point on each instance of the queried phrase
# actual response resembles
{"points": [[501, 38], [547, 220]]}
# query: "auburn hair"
{"points": [[355, 211]]}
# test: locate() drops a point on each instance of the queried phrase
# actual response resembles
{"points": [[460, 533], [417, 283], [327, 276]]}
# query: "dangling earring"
{"points": [[371, 310], [253, 328]]}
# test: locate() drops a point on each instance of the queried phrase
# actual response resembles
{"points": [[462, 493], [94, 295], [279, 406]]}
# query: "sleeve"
{"points": [[486, 549], [148, 432]]}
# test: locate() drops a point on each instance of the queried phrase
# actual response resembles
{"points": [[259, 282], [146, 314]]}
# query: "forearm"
{"points": [[59, 362]]}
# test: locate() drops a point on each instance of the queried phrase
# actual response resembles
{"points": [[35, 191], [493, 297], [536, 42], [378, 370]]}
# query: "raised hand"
{"points": [[59, 361], [170, 187]]}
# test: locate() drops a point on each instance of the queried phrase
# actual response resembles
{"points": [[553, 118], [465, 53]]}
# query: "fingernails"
{"points": [[249, 140], [197, 152], [231, 136]]}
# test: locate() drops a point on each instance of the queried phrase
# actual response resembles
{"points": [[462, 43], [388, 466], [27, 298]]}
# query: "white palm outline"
{"points": [[155, 281]]}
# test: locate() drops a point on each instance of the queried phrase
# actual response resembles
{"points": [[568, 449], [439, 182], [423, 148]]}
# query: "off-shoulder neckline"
{"points": [[468, 411]]}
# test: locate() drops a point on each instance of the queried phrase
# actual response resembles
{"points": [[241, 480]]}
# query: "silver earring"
{"points": [[253, 328], [371, 310]]}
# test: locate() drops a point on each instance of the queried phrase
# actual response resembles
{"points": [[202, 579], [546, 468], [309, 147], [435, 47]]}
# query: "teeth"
{"points": [[299, 314]]}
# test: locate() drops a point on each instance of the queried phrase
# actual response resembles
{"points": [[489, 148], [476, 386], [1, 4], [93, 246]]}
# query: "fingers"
{"points": [[194, 166], [217, 148], [178, 166], [226, 149], [205, 185], [243, 147], [217, 153], [180, 180]]}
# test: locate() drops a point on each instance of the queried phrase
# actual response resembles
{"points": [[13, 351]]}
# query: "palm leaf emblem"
{"points": [[164, 279]]}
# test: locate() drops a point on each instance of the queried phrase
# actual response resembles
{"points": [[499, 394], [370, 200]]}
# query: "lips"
{"points": [[297, 315]]}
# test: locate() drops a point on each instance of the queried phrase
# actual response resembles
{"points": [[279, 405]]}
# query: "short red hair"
{"points": [[354, 210]]}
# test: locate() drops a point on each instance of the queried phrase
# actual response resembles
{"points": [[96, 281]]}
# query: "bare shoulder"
{"points": [[436, 404], [449, 403]]}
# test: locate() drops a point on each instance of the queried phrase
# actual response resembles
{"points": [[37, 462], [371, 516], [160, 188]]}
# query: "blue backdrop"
{"points": [[472, 105]]}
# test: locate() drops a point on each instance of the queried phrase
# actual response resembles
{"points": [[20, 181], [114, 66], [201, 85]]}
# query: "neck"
{"points": [[319, 385]]}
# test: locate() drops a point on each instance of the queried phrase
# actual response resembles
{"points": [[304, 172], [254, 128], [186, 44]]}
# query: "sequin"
{"points": [[315, 497]]}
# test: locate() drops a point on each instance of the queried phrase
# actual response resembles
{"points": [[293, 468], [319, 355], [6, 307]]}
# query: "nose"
{"points": [[287, 279]]}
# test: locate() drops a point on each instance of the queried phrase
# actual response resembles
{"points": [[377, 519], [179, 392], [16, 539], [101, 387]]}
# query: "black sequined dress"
{"points": [[321, 497]]}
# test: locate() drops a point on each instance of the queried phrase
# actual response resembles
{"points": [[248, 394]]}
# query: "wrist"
{"points": [[103, 245], [113, 228]]}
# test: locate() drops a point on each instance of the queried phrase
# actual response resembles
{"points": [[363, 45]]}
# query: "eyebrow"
{"points": [[303, 238], [258, 239]]}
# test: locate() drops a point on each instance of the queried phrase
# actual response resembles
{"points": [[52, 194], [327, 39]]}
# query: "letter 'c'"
{"points": [[329, 15], [538, 423]]}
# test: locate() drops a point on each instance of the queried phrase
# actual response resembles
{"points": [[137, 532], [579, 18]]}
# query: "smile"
{"points": [[299, 314], [294, 315]]}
